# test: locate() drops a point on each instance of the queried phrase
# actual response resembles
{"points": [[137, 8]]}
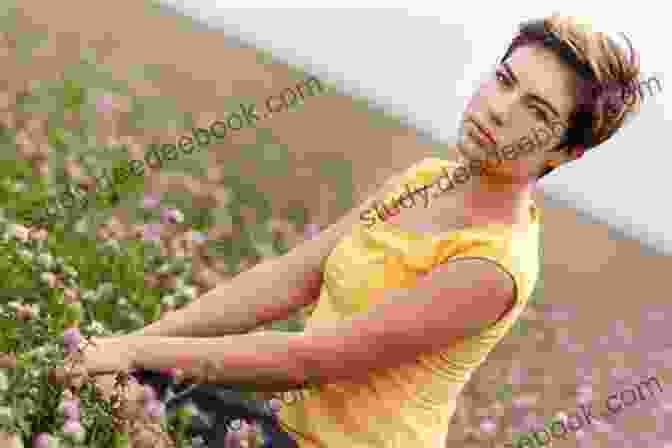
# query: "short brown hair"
{"points": [[604, 71]]}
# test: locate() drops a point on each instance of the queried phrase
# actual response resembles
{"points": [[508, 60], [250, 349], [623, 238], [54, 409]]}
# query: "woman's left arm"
{"points": [[455, 300]]}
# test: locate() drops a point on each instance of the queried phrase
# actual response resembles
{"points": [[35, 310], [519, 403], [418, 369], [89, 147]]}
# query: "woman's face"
{"points": [[530, 95]]}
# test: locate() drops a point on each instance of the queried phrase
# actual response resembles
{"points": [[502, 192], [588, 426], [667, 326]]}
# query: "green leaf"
{"points": [[537, 295], [218, 248], [264, 135], [297, 213], [504, 392], [8, 11], [57, 137], [73, 95], [222, 216], [194, 164], [296, 72], [264, 57], [550, 419], [520, 328], [88, 55], [271, 159]]}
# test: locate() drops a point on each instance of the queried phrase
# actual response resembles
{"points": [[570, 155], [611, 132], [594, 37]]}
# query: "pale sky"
{"points": [[622, 182]]}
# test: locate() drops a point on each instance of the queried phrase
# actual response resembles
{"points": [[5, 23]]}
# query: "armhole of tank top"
{"points": [[516, 299]]}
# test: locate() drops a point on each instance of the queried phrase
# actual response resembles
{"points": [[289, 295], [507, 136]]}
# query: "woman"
{"points": [[402, 306]]}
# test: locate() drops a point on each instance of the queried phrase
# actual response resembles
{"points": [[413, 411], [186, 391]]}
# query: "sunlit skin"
{"points": [[454, 300], [530, 91], [508, 109], [408, 321]]}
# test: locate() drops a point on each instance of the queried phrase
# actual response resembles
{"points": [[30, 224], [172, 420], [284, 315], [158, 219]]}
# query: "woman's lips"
{"points": [[483, 134], [480, 137]]}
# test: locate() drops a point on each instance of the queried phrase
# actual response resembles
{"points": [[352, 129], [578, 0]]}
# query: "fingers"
{"points": [[105, 384]]}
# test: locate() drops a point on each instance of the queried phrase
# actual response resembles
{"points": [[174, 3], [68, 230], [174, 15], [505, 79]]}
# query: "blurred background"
{"points": [[88, 86]]}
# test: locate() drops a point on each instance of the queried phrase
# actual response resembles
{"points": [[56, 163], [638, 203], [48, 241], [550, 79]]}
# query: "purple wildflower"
{"points": [[488, 425], [151, 232], [171, 216], [231, 440], [72, 337], [104, 103], [151, 201], [311, 231], [41, 440], [148, 393], [154, 408], [275, 405], [72, 427], [245, 429], [71, 409]]}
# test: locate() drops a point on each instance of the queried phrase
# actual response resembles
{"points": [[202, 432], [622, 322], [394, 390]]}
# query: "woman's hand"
{"points": [[106, 362], [109, 384], [105, 355]]}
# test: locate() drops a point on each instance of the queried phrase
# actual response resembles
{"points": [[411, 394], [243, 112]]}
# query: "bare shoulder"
{"points": [[477, 272], [475, 283]]}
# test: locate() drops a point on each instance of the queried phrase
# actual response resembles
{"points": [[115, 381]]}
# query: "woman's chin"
{"points": [[469, 150]]}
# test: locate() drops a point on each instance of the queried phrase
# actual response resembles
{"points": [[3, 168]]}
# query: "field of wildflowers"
{"points": [[133, 256]]}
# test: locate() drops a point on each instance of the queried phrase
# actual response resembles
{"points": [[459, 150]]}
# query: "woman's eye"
{"points": [[501, 77], [540, 113]]}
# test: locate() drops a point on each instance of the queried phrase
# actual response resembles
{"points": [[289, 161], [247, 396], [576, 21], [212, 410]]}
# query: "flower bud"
{"points": [[19, 232], [72, 336], [10, 440], [70, 295], [24, 313], [74, 430], [41, 440], [49, 278], [70, 409], [7, 360]]}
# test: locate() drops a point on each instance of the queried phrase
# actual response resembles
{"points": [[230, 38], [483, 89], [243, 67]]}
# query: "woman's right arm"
{"points": [[271, 290]]}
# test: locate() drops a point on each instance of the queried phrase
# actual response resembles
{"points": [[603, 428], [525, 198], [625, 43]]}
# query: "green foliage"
{"points": [[375, 116], [504, 392], [520, 328], [110, 275], [27, 44], [338, 171]]}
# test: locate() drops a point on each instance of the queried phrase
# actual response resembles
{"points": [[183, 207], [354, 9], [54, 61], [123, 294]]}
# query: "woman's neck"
{"points": [[491, 199]]}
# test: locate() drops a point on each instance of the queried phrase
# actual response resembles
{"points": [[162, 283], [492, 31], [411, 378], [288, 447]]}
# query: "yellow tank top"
{"points": [[410, 405]]}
